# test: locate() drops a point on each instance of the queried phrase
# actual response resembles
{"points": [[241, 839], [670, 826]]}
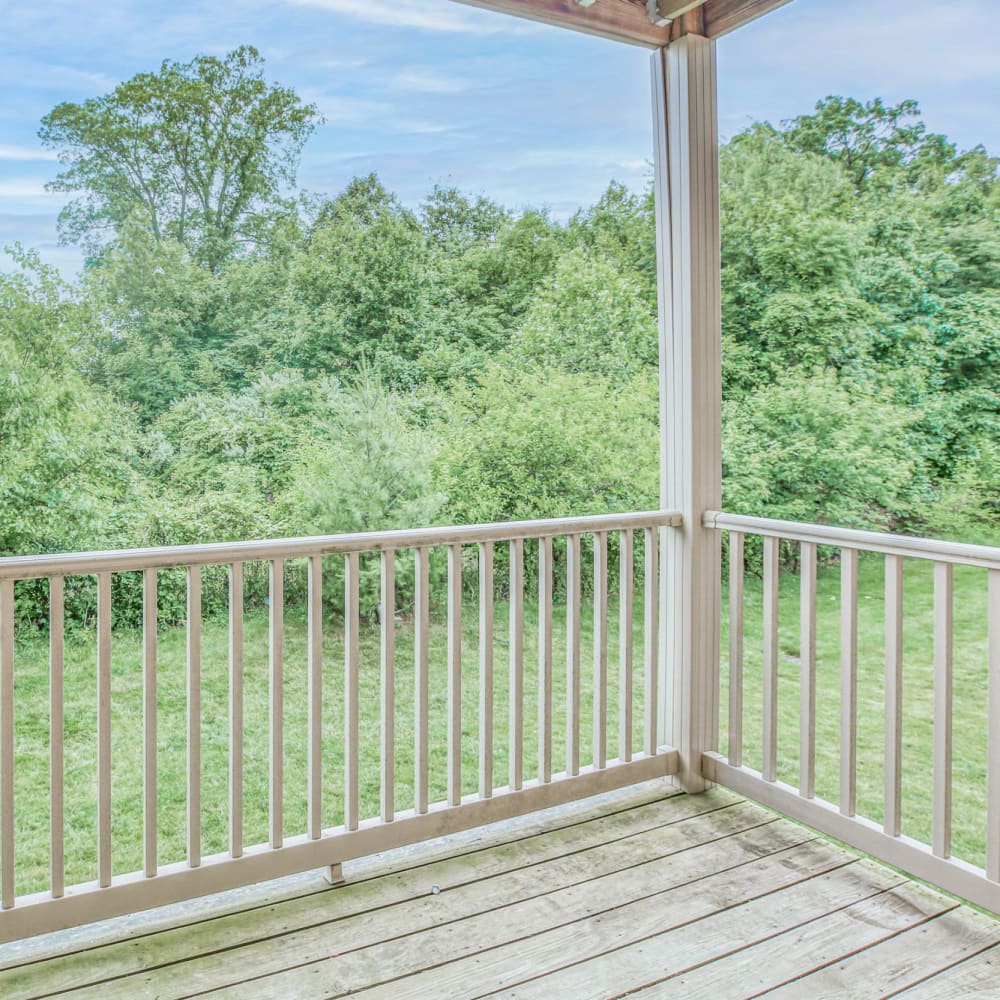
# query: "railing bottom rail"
{"points": [[41, 914], [951, 874]]}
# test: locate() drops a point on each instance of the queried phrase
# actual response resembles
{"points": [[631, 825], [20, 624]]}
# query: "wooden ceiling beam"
{"points": [[633, 20], [620, 20], [723, 16]]}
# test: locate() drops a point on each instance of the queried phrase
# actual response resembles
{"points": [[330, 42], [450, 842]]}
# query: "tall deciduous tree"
{"points": [[201, 152]]}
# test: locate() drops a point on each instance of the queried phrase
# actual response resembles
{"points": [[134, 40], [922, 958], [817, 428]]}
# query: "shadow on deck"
{"points": [[642, 891]]}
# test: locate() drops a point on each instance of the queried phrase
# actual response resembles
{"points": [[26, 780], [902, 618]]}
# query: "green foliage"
{"points": [[589, 317], [360, 283], [364, 467], [523, 445], [817, 450], [65, 447], [199, 151]]}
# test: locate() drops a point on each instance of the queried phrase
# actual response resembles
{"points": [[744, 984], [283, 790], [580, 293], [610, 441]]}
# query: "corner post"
{"points": [[686, 158]]}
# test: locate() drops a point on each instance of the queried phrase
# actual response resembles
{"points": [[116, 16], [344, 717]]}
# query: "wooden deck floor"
{"points": [[641, 892]]}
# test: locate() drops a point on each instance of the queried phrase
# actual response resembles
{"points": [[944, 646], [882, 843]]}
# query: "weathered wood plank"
{"points": [[603, 883], [774, 962], [748, 832], [977, 977], [672, 951], [686, 897], [901, 960]]}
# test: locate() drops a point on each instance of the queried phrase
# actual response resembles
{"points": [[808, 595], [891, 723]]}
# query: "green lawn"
{"points": [[31, 708]]}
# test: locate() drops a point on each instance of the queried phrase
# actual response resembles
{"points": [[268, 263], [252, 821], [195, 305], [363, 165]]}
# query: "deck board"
{"points": [[642, 891]]}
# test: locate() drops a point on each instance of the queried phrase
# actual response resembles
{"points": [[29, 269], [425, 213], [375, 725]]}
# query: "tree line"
{"points": [[239, 359]]}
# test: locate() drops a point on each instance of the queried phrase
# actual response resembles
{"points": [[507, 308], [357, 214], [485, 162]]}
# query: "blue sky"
{"points": [[429, 91]]}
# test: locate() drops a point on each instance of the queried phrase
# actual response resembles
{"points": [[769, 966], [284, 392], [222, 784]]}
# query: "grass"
{"points": [[32, 723]]}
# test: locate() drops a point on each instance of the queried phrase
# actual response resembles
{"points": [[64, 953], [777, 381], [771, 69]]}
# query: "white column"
{"points": [[686, 156]]}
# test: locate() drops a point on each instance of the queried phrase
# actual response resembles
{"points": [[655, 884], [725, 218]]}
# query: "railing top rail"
{"points": [[131, 560], [960, 553]]}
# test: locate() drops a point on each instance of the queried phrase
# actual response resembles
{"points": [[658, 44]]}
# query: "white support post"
{"points": [[686, 156]]}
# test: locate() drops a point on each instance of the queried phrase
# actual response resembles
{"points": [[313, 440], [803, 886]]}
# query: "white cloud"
{"points": [[426, 82], [425, 15], [26, 189], [26, 153]]}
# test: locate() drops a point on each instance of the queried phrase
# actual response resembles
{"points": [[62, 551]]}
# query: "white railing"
{"points": [[319, 845], [887, 838]]}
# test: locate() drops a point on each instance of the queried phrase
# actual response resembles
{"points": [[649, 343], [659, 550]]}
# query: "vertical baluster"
{"points": [[57, 589], [276, 681], [943, 632], [993, 749], [421, 686], [516, 686], [600, 740], [807, 670], [352, 656], [236, 710], [149, 727], [194, 716], [736, 603], [892, 822], [486, 670], [387, 663], [314, 696], [573, 654], [7, 743], [104, 729], [454, 674], [625, 645], [770, 702], [848, 681], [651, 631], [545, 659]]}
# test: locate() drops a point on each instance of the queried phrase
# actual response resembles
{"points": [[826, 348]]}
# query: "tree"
{"points": [[66, 449], [201, 152], [591, 316], [359, 285], [870, 137]]}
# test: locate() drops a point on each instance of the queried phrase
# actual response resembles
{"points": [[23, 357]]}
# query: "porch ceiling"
{"points": [[631, 21]]}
